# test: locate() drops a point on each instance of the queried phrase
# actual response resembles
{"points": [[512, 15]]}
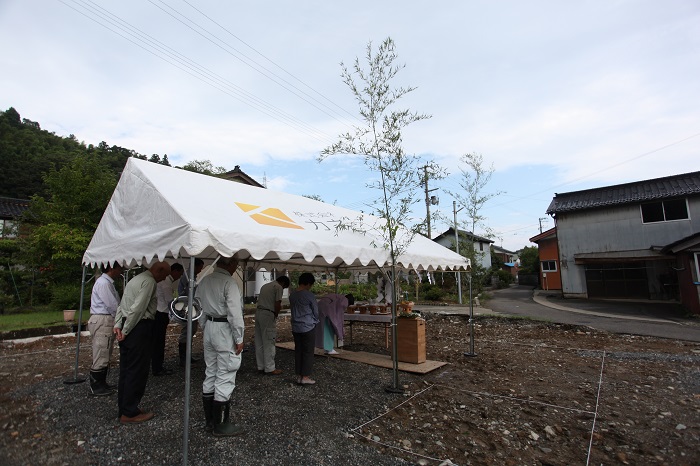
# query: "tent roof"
{"points": [[159, 212]]}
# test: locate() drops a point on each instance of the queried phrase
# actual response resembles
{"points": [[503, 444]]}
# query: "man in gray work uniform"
{"points": [[222, 305], [269, 306], [183, 289]]}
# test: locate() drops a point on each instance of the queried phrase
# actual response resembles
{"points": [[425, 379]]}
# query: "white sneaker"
{"points": [[332, 352]]}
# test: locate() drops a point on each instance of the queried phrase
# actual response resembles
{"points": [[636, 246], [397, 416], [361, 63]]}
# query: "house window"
{"points": [[481, 246], [549, 266], [8, 229], [664, 211]]}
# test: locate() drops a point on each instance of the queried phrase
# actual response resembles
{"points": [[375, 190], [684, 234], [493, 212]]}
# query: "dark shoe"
{"points": [[275, 372], [163, 372], [141, 417]]}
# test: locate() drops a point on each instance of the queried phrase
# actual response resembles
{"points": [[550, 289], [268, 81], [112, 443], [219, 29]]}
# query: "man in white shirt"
{"points": [[103, 307]]}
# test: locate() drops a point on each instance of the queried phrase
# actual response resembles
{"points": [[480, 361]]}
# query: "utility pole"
{"points": [[428, 199], [459, 276], [542, 218]]}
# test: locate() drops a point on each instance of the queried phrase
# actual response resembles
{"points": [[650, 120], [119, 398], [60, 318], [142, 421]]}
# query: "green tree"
{"points": [[475, 177], [529, 260], [379, 140], [204, 167], [61, 224]]}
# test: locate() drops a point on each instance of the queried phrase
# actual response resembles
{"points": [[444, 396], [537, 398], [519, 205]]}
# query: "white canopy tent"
{"points": [[158, 212]]}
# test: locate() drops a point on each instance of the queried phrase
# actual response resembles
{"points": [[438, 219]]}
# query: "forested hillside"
{"points": [[69, 184], [28, 153]]}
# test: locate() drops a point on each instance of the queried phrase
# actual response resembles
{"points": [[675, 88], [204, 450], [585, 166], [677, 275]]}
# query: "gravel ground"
{"points": [[537, 393]]}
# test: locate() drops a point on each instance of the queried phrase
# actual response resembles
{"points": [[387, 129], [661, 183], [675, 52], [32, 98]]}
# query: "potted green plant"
{"points": [[66, 297]]}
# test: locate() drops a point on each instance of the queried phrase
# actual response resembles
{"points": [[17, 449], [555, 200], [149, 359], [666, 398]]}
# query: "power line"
{"points": [[636, 157], [151, 45], [353, 117]]}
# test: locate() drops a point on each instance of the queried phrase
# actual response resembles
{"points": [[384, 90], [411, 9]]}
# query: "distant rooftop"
{"points": [[468, 234], [638, 191], [240, 176], [11, 208]]}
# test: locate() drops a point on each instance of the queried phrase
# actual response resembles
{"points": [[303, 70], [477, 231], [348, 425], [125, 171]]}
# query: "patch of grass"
{"points": [[34, 319]]}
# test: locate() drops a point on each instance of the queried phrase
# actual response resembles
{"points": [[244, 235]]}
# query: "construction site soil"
{"points": [[534, 393]]}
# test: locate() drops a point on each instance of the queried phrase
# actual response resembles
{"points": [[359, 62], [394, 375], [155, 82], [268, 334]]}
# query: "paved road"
{"points": [[638, 318]]}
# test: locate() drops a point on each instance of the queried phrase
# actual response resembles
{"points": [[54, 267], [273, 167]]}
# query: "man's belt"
{"points": [[217, 319], [263, 309]]}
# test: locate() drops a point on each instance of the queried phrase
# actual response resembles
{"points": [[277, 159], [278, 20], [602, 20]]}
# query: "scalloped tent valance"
{"points": [[163, 212]]}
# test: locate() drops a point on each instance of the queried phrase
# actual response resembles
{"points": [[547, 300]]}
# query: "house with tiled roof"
{"points": [[10, 212], [509, 258], [632, 240], [240, 176], [482, 245]]}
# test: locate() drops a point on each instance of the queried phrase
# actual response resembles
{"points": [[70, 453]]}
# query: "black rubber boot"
{"points": [[182, 352], [207, 404], [222, 428], [108, 385], [98, 386]]}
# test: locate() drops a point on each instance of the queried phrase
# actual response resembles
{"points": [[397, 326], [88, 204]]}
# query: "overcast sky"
{"points": [[558, 95]]}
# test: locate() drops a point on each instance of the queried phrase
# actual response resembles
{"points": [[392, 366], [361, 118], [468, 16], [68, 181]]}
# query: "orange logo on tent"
{"points": [[269, 216]]}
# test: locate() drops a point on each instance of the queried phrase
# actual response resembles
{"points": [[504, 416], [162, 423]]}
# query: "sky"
{"points": [[555, 96]]}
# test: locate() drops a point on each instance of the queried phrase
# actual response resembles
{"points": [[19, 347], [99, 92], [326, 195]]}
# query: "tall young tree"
{"points": [[475, 177], [379, 140]]}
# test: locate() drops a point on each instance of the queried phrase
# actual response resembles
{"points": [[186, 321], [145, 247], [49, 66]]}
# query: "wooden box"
{"points": [[411, 340]]}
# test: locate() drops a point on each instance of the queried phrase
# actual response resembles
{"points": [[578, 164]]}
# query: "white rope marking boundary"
{"points": [[595, 416], [403, 450], [541, 345], [513, 398], [56, 350], [392, 409], [387, 412]]}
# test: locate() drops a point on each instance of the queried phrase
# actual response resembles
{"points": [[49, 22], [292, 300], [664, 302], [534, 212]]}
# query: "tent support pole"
{"points": [[244, 276], [188, 366], [76, 378], [471, 352]]}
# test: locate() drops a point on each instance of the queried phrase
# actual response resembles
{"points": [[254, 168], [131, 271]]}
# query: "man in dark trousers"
{"points": [[164, 295], [134, 329]]}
